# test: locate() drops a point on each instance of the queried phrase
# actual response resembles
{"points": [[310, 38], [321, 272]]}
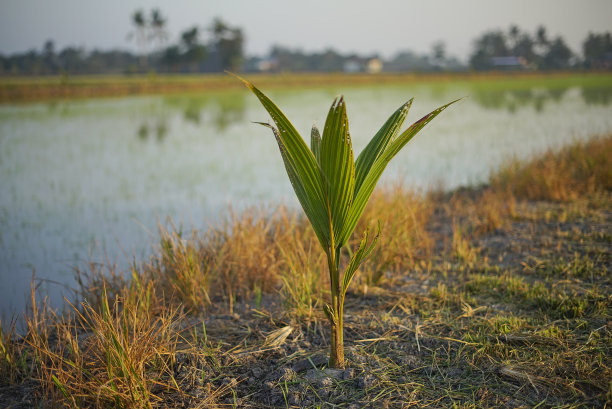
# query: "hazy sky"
{"points": [[383, 26]]}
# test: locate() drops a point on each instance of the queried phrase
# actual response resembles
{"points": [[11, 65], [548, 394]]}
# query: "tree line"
{"points": [[220, 46], [538, 51], [213, 48]]}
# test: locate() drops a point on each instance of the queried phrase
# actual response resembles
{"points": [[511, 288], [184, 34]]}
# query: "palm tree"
{"points": [[140, 33], [334, 188], [158, 27]]}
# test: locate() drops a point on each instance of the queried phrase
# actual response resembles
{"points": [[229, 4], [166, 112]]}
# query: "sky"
{"points": [[365, 27]]}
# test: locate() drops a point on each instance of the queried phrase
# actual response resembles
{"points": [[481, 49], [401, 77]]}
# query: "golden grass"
{"points": [[403, 215], [108, 358], [263, 250], [13, 365], [577, 170], [16, 89], [118, 348]]}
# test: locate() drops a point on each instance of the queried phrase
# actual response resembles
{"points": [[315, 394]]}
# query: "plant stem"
{"points": [[336, 353]]}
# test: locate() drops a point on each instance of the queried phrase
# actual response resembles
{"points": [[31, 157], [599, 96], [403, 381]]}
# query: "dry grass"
{"points": [[18, 89], [262, 251], [13, 359], [578, 170], [116, 357], [478, 298], [403, 215]]}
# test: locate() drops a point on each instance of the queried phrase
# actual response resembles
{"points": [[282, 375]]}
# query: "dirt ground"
{"points": [[516, 317]]}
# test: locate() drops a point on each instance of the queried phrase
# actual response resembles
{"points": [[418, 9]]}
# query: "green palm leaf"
{"points": [[337, 167], [362, 253], [305, 172], [371, 178], [379, 143], [315, 143]]}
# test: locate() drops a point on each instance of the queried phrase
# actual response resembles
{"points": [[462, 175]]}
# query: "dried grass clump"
{"points": [[579, 169], [121, 356], [248, 250], [404, 240], [183, 269], [13, 357]]}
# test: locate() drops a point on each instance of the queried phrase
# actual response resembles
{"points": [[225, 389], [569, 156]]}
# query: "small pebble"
{"points": [[367, 381], [348, 373], [326, 382], [285, 374]]}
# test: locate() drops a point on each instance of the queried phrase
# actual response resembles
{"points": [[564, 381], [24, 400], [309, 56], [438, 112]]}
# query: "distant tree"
{"points": [[49, 57], [298, 61], [514, 34], [558, 55], [520, 44], [331, 61], [520, 49], [171, 57], [597, 50], [49, 48], [140, 35], [438, 53], [228, 44], [190, 36], [71, 59], [523, 48], [491, 44], [541, 36], [219, 28], [194, 52], [158, 27], [148, 31]]}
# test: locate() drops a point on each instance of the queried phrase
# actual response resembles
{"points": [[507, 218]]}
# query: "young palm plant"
{"points": [[333, 189]]}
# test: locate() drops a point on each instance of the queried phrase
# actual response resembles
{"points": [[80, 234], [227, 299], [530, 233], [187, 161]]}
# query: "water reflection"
{"points": [[62, 191], [158, 129], [537, 98], [219, 110], [216, 111], [597, 96], [193, 111], [513, 100]]}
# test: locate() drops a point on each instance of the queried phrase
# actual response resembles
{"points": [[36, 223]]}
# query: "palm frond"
{"points": [[376, 170], [337, 167]]}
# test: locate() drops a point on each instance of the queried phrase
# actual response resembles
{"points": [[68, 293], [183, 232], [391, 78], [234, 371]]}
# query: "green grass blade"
{"points": [[379, 143], [337, 166], [62, 388]]}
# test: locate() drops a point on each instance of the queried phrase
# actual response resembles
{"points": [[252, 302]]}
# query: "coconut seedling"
{"points": [[333, 189]]}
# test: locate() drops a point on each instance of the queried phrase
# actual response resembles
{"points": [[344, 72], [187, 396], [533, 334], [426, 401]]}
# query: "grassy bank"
{"points": [[25, 89], [496, 296]]}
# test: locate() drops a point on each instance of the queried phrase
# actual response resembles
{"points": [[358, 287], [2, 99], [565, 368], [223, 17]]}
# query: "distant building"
{"points": [[267, 65], [374, 66], [509, 63], [257, 64], [352, 66], [357, 64]]}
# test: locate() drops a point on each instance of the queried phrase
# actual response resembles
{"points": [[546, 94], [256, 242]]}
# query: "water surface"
{"points": [[91, 180]]}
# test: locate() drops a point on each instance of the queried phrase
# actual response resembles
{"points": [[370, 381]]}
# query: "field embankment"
{"points": [[28, 89], [491, 297]]}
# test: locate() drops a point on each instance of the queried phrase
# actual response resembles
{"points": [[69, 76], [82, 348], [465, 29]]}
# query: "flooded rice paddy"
{"points": [[91, 180]]}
